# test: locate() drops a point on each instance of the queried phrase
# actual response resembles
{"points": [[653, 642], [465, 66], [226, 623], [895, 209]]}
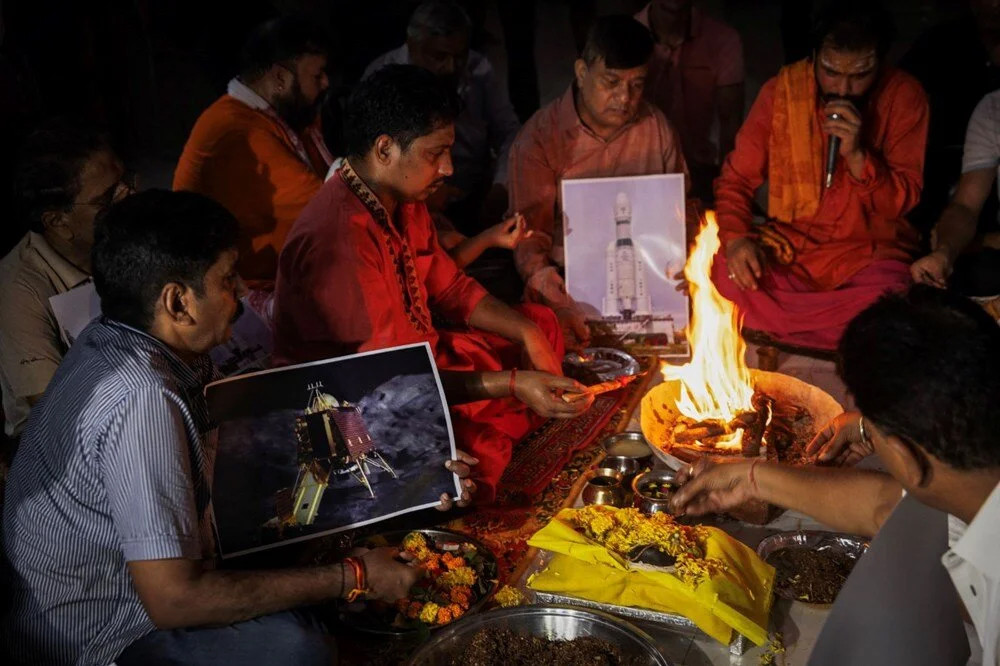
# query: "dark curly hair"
{"points": [[620, 41], [403, 101], [853, 25], [924, 365], [151, 239], [280, 40]]}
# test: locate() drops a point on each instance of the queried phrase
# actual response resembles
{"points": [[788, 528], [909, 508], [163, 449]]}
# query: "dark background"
{"points": [[145, 69]]}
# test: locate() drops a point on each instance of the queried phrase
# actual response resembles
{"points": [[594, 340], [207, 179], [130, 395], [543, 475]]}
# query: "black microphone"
{"points": [[831, 159]]}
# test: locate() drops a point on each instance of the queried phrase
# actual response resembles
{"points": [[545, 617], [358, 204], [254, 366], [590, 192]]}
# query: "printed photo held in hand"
{"points": [[624, 243], [322, 447]]}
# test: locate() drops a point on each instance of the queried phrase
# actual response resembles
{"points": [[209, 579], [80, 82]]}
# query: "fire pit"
{"points": [[716, 405]]}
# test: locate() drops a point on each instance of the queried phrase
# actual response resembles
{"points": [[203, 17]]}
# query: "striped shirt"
{"points": [[114, 466]]}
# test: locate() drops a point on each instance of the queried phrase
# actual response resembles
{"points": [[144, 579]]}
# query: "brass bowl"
{"points": [[605, 487], [649, 503]]}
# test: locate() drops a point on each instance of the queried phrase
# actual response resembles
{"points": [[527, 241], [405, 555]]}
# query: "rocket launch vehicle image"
{"points": [[626, 273], [624, 240]]}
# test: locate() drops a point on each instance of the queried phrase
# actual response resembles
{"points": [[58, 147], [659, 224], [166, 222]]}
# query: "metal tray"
{"points": [[551, 622], [851, 545], [605, 362], [737, 646]]}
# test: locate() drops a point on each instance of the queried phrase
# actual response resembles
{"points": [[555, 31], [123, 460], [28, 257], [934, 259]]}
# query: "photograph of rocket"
{"points": [[633, 228], [626, 294]]}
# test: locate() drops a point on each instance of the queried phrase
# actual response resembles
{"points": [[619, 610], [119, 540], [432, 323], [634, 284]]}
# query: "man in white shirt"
{"points": [[924, 369]]}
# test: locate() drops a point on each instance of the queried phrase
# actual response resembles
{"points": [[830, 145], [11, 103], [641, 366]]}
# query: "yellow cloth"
{"points": [[795, 148], [738, 599]]}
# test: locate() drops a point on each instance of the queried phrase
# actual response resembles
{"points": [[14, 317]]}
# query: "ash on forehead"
{"points": [[845, 62]]}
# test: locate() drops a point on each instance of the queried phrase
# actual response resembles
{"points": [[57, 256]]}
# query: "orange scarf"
{"points": [[795, 162]]}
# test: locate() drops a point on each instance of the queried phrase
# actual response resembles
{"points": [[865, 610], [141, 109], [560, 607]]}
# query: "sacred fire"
{"points": [[715, 403]]}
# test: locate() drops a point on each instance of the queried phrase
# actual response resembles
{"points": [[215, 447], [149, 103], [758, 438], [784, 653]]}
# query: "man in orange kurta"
{"points": [[258, 150], [824, 254], [362, 270], [600, 127]]}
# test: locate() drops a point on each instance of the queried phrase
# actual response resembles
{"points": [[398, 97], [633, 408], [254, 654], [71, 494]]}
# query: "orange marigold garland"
{"points": [[454, 578]]}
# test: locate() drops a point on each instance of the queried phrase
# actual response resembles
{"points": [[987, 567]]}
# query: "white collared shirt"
{"points": [[973, 562]]}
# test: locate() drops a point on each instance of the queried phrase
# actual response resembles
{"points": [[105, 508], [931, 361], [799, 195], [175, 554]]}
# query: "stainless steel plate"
{"points": [[835, 542], [605, 362], [737, 647], [548, 621]]}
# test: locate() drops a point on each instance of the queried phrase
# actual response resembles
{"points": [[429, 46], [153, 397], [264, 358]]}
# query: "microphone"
{"points": [[831, 159]]}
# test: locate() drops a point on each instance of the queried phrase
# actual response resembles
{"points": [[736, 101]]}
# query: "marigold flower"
{"points": [[429, 613], [444, 616], [509, 596], [459, 576]]}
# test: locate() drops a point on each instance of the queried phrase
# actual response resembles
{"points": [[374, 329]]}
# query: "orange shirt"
{"points": [[858, 221], [350, 279], [244, 159], [555, 144]]}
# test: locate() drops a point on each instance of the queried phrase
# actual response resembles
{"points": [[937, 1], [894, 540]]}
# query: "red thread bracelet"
{"points": [[513, 376], [360, 578]]}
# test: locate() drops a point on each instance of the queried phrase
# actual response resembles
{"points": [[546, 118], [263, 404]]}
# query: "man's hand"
{"points": [[462, 468], [844, 120], [540, 353], [541, 392], [746, 262], [712, 487], [576, 333], [933, 269], [388, 578], [840, 442], [508, 233]]}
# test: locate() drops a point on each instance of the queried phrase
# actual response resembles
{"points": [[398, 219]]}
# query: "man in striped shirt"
{"points": [[106, 534]]}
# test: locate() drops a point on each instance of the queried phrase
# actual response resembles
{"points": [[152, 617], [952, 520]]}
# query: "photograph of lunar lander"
{"points": [[331, 439]]}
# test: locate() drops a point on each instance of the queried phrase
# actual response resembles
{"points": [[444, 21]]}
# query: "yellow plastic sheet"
{"points": [[739, 598]]}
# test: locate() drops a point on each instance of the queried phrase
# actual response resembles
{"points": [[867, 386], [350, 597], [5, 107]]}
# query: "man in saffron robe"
{"points": [[258, 150], [362, 269], [600, 127], [824, 254]]}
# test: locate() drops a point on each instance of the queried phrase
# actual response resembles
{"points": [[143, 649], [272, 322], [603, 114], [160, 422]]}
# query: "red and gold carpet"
{"points": [[545, 475]]}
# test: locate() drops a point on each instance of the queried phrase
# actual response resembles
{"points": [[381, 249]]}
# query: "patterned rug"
{"points": [[546, 474]]}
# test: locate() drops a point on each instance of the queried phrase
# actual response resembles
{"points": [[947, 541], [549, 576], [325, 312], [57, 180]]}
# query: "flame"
{"points": [[716, 384]]}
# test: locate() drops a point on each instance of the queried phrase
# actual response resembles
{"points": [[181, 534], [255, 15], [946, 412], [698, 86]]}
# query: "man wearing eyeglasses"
{"points": [[67, 177]]}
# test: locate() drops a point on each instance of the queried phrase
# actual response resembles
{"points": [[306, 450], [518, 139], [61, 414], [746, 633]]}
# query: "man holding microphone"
{"points": [[839, 139]]}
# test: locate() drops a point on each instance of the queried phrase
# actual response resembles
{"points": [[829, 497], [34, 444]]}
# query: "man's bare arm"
{"points": [[847, 499], [182, 593], [179, 593], [850, 500], [957, 226]]}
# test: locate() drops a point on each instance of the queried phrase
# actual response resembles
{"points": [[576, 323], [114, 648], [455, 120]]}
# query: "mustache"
{"points": [[856, 100]]}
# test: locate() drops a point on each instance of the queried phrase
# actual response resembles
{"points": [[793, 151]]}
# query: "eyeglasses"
{"points": [[125, 186]]}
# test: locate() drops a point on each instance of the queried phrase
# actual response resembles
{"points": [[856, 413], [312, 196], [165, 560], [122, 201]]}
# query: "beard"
{"points": [[297, 112], [859, 101]]}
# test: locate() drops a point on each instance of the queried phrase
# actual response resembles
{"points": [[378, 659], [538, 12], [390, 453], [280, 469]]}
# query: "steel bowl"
{"points": [[550, 622], [604, 487], [851, 545], [650, 504], [626, 445], [607, 363], [358, 618]]}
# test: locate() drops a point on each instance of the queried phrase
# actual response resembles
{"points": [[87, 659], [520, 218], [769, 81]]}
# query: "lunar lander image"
{"points": [[332, 440], [626, 302]]}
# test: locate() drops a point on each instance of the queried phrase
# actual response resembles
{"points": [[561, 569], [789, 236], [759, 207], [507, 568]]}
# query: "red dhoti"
{"points": [[796, 313], [489, 429]]}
